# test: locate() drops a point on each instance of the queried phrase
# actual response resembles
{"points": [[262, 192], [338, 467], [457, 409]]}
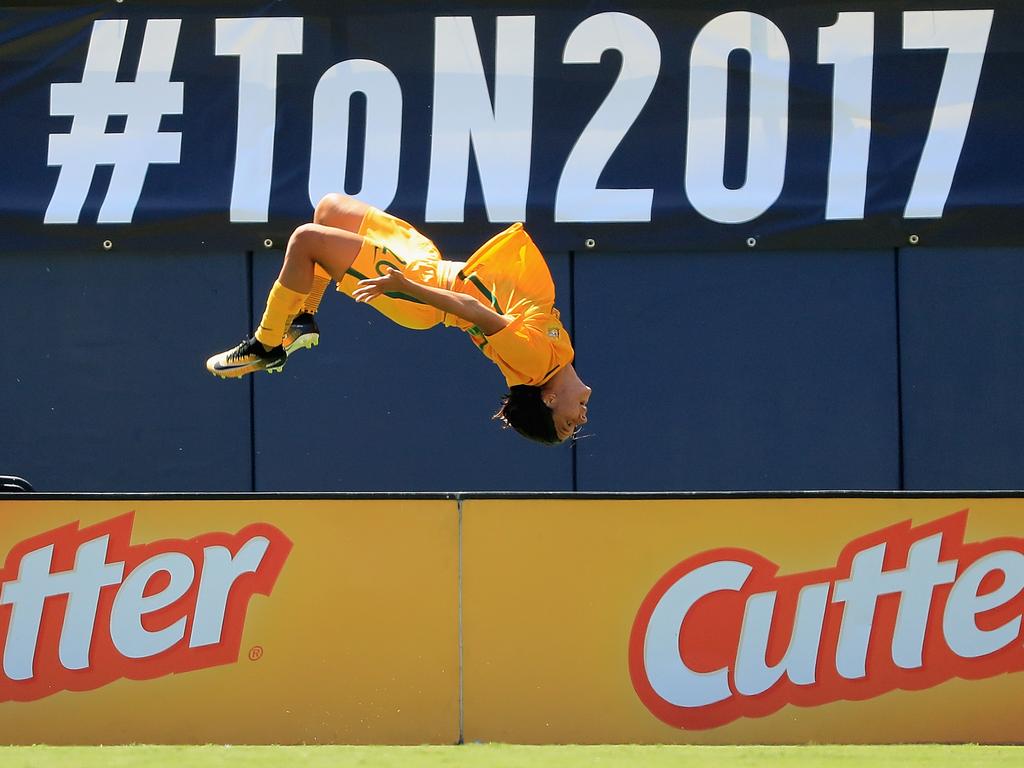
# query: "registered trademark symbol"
{"points": [[256, 653]]}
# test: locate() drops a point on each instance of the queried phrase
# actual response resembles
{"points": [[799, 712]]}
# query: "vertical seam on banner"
{"points": [[462, 703], [249, 266], [899, 372], [575, 336]]}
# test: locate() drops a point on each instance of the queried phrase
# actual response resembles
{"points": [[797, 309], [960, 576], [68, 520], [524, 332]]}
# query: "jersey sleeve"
{"points": [[530, 348]]}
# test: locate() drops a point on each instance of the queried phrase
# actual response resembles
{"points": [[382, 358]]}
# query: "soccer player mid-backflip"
{"points": [[503, 298]]}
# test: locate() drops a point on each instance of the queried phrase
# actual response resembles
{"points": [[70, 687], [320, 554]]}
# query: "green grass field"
{"points": [[509, 756]]}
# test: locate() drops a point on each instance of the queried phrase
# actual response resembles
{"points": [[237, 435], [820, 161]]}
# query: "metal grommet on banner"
{"points": [[751, 242], [913, 239], [590, 242], [268, 243], [107, 245]]}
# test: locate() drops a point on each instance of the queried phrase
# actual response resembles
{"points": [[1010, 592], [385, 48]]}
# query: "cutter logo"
{"points": [[721, 636], [80, 608]]}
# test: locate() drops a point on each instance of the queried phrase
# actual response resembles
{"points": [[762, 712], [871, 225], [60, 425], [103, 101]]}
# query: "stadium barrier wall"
{"points": [[744, 371], [705, 619], [747, 322]]}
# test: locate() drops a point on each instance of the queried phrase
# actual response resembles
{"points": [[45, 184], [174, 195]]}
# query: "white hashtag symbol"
{"points": [[97, 97]]}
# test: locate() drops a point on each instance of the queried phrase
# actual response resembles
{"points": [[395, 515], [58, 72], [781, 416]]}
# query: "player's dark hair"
{"points": [[524, 410]]}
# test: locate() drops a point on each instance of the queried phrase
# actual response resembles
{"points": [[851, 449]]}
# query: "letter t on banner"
{"points": [[257, 43]]}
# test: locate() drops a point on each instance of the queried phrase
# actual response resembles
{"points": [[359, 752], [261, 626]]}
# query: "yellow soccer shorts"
{"points": [[391, 242]]}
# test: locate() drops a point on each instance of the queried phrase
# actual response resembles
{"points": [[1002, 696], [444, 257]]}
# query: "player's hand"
{"points": [[371, 288]]}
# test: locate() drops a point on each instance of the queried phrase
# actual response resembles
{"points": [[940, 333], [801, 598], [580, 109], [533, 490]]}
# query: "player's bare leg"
{"points": [[341, 212], [311, 245], [333, 210]]}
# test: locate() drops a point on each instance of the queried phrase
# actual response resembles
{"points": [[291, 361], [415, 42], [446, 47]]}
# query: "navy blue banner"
{"points": [[644, 127]]}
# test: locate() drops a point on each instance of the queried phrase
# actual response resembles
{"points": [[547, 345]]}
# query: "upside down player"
{"points": [[503, 298]]}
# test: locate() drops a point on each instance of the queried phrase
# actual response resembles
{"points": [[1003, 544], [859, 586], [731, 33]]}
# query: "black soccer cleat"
{"points": [[247, 357], [303, 333]]}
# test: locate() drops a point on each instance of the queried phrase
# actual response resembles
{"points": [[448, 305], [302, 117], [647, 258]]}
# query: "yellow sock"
{"points": [[321, 279], [282, 305]]}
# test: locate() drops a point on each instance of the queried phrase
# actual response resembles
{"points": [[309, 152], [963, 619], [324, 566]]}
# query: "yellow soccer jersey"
{"points": [[509, 273]]}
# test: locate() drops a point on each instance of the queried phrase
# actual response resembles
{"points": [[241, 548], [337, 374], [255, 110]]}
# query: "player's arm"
{"points": [[461, 305]]}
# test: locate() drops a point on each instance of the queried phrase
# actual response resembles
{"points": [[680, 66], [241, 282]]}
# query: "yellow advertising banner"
{"points": [[229, 621], [741, 621], [718, 621]]}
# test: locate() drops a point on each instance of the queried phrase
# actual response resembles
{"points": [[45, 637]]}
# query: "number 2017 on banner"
{"points": [[847, 45]]}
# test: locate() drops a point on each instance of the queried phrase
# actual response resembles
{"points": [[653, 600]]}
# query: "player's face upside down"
{"points": [[567, 397]]}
